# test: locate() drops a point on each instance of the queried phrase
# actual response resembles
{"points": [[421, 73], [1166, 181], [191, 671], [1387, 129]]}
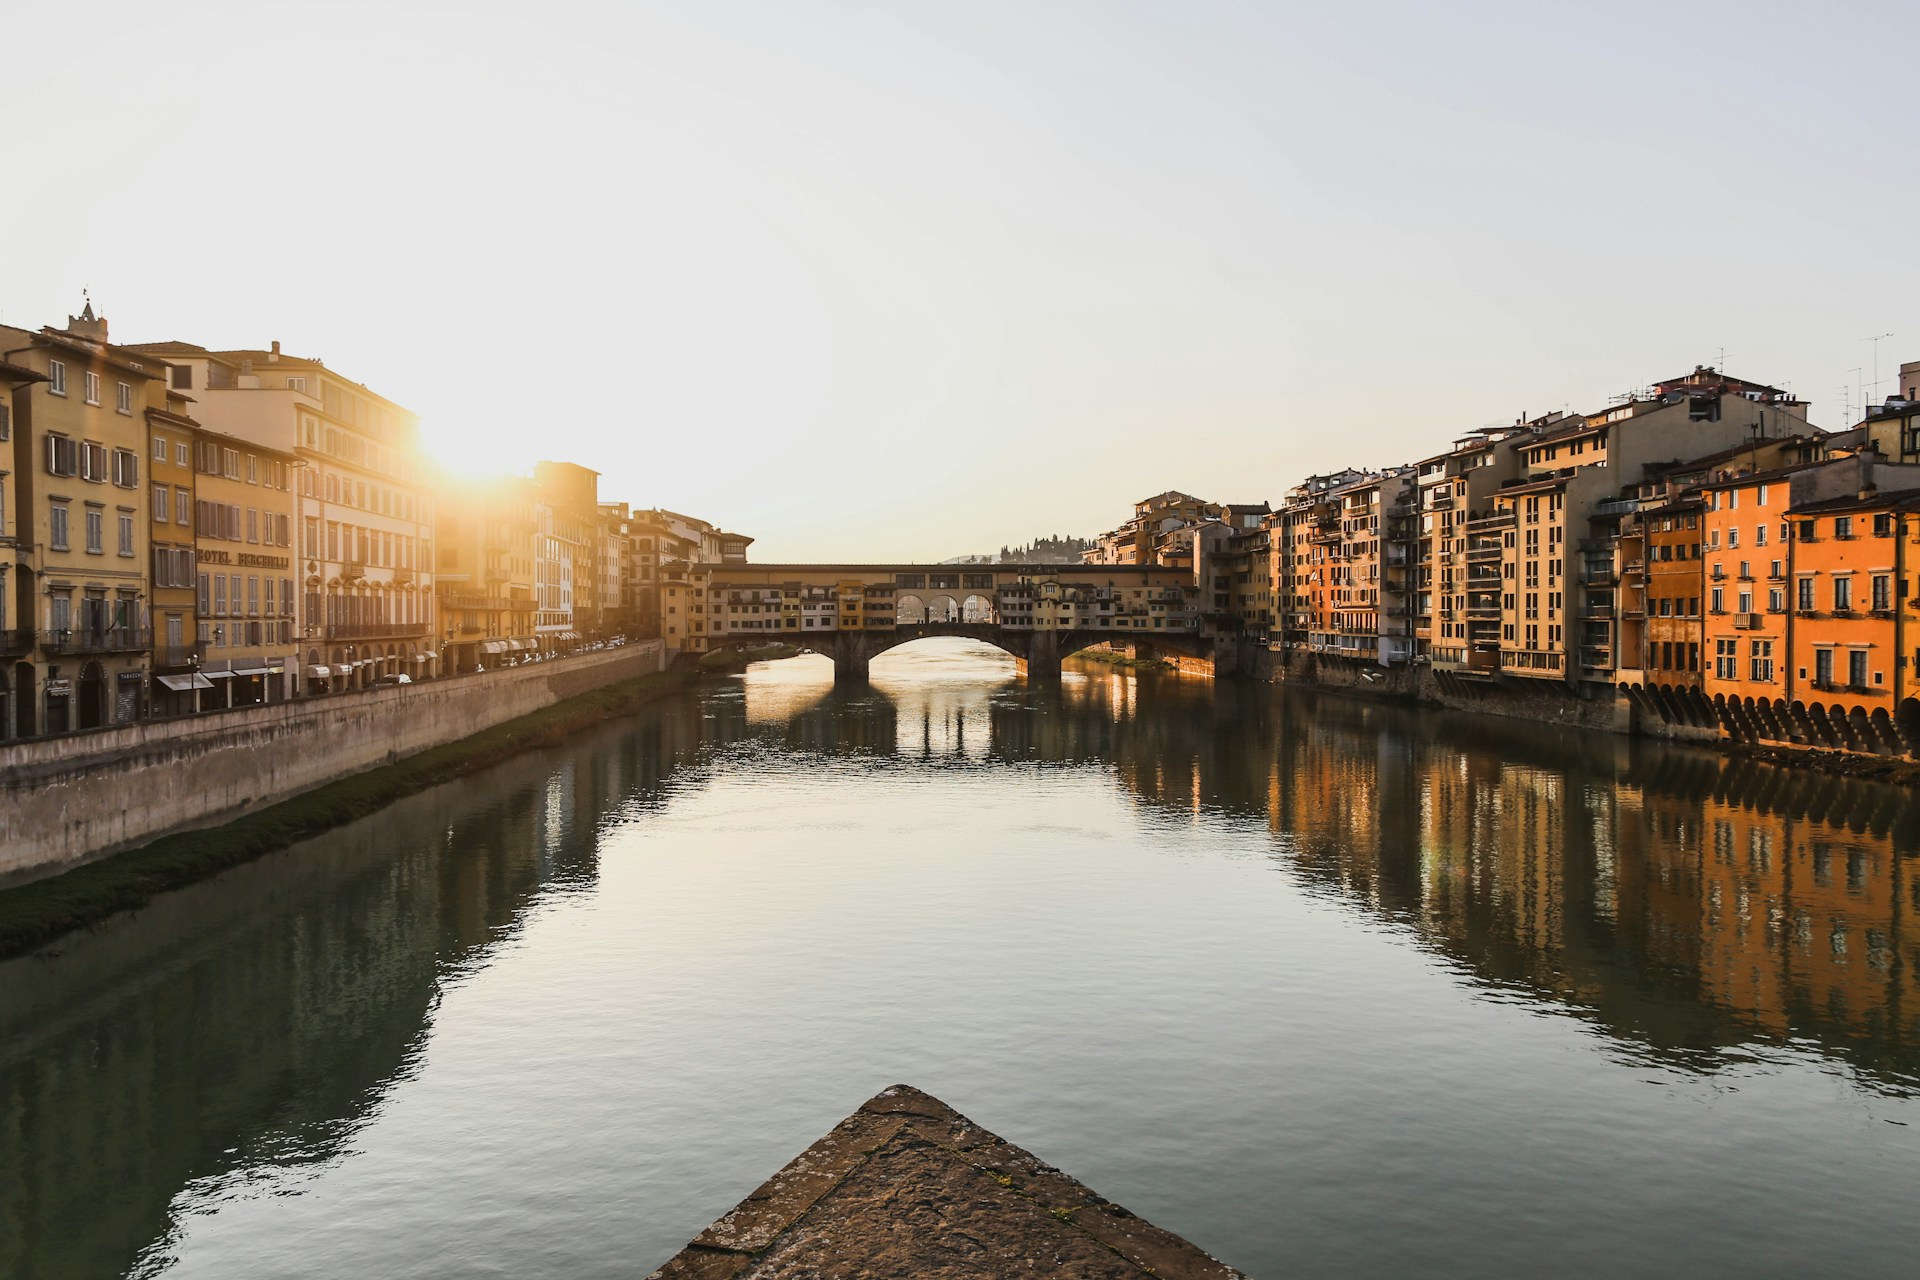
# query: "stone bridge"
{"points": [[1038, 613]]}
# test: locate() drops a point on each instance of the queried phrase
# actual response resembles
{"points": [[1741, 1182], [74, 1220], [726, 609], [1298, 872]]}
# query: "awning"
{"points": [[181, 684], [255, 670], [516, 646], [493, 646], [319, 673], [218, 675], [427, 654]]}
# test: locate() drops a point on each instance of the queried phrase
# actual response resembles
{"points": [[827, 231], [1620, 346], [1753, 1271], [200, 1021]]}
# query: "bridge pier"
{"points": [[1043, 657], [849, 658]]}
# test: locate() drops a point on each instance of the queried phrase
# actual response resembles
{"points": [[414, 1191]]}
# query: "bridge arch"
{"points": [[976, 608], [909, 608]]}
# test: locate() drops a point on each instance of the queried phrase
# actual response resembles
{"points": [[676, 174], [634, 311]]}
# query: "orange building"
{"points": [[1807, 637], [1852, 637]]}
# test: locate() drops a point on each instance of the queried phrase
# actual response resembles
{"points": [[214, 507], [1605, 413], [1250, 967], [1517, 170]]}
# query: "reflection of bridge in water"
{"points": [[1038, 613], [1688, 904]]}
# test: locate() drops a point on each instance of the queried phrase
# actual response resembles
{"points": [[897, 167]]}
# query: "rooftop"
{"points": [[906, 1186]]}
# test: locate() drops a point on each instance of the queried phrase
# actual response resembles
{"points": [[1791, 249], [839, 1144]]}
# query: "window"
{"points": [[159, 448], [1719, 600], [57, 377], [1759, 535], [253, 469], [1857, 668], [1882, 592], [1776, 600], [181, 457], [1760, 496], [93, 387], [1760, 661], [1842, 594], [230, 463], [126, 534], [1804, 600], [126, 468], [183, 513], [296, 384], [1843, 526], [206, 603], [122, 398], [93, 461], [1726, 659], [63, 456], [1733, 538], [57, 526], [219, 593], [1882, 525], [162, 504], [96, 531], [180, 377]]}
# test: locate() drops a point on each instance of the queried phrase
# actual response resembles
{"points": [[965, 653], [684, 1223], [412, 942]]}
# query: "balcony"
{"points": [[1483, 553], [110, 640], [1599, 609], [351, 569], [374, 630], [1746, 622], [176, 657]]}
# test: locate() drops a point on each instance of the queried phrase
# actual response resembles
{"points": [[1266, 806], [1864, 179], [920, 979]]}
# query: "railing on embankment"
{"points": [[66, 800]]}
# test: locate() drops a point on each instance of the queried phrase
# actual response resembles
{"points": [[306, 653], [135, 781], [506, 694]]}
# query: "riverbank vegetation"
{"points": [[36, 913]]}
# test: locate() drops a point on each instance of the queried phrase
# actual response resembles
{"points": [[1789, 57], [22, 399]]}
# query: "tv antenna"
{"points": [[1876, 340]]}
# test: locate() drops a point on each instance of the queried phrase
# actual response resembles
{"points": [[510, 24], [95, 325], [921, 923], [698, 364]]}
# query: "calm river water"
{"points": [[1332, 988]]}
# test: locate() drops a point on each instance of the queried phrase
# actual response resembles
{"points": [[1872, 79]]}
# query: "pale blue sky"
{"points": [[912, 280]]}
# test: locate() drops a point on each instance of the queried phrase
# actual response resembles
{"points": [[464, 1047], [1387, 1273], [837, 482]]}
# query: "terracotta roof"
{"points": [[1875, 501]]}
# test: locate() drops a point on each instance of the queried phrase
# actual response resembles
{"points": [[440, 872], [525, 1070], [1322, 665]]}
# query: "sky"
{"points": [[909, 281]]}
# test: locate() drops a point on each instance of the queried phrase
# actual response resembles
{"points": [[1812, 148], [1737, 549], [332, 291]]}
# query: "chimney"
{"points": [[274, 355]]}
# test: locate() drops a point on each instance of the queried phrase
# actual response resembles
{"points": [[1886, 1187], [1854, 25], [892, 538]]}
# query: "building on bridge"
{"points": [[1038, 613]]}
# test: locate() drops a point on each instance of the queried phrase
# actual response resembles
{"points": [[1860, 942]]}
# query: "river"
{"points": [[1330, 987]]}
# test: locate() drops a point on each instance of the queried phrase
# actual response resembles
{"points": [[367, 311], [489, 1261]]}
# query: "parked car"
{"points": [[397, 678]]}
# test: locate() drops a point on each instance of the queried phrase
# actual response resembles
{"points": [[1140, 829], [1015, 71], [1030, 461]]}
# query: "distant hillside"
{"points": [[1058, 549], [1055, 550]]}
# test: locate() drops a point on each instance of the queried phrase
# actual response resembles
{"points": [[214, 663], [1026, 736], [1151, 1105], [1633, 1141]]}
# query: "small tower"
{"points": [[87, 325]]}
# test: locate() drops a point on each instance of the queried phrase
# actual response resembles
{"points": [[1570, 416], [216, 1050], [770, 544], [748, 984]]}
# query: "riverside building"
{"points": [[77, 568], [484, 579], [364, 534], [1558, 587], [177, 682], [244, 508]]}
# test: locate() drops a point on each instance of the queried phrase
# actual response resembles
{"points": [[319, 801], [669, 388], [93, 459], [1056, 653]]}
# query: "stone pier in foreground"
{"points": [[906, 1186]]}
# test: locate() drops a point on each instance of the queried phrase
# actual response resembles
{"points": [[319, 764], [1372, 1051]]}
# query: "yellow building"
{"points": [[244, 510], [80, 524], [364, 519], [16, 565], [484, 577], [177, 681]]}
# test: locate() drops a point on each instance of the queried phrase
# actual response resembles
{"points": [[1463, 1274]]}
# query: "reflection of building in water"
{"points": [[251, 1023], [1684, 901]]}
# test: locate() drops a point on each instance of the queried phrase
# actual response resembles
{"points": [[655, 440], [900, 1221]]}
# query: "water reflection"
{"points": [[1690, 904], [1696, 910], [244, 1030]]}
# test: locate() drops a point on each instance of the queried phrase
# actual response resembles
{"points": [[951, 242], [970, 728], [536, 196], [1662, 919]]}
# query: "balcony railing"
{"points": [[1746, 622], [110, 640], [374, 630], [176, 657]]}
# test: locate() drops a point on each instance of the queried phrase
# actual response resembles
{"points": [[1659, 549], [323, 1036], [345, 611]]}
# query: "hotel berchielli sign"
{"points": [[246, 559]]}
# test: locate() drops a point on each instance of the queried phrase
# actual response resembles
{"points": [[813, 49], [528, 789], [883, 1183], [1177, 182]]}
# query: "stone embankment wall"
{"points": [[67, 800]]}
